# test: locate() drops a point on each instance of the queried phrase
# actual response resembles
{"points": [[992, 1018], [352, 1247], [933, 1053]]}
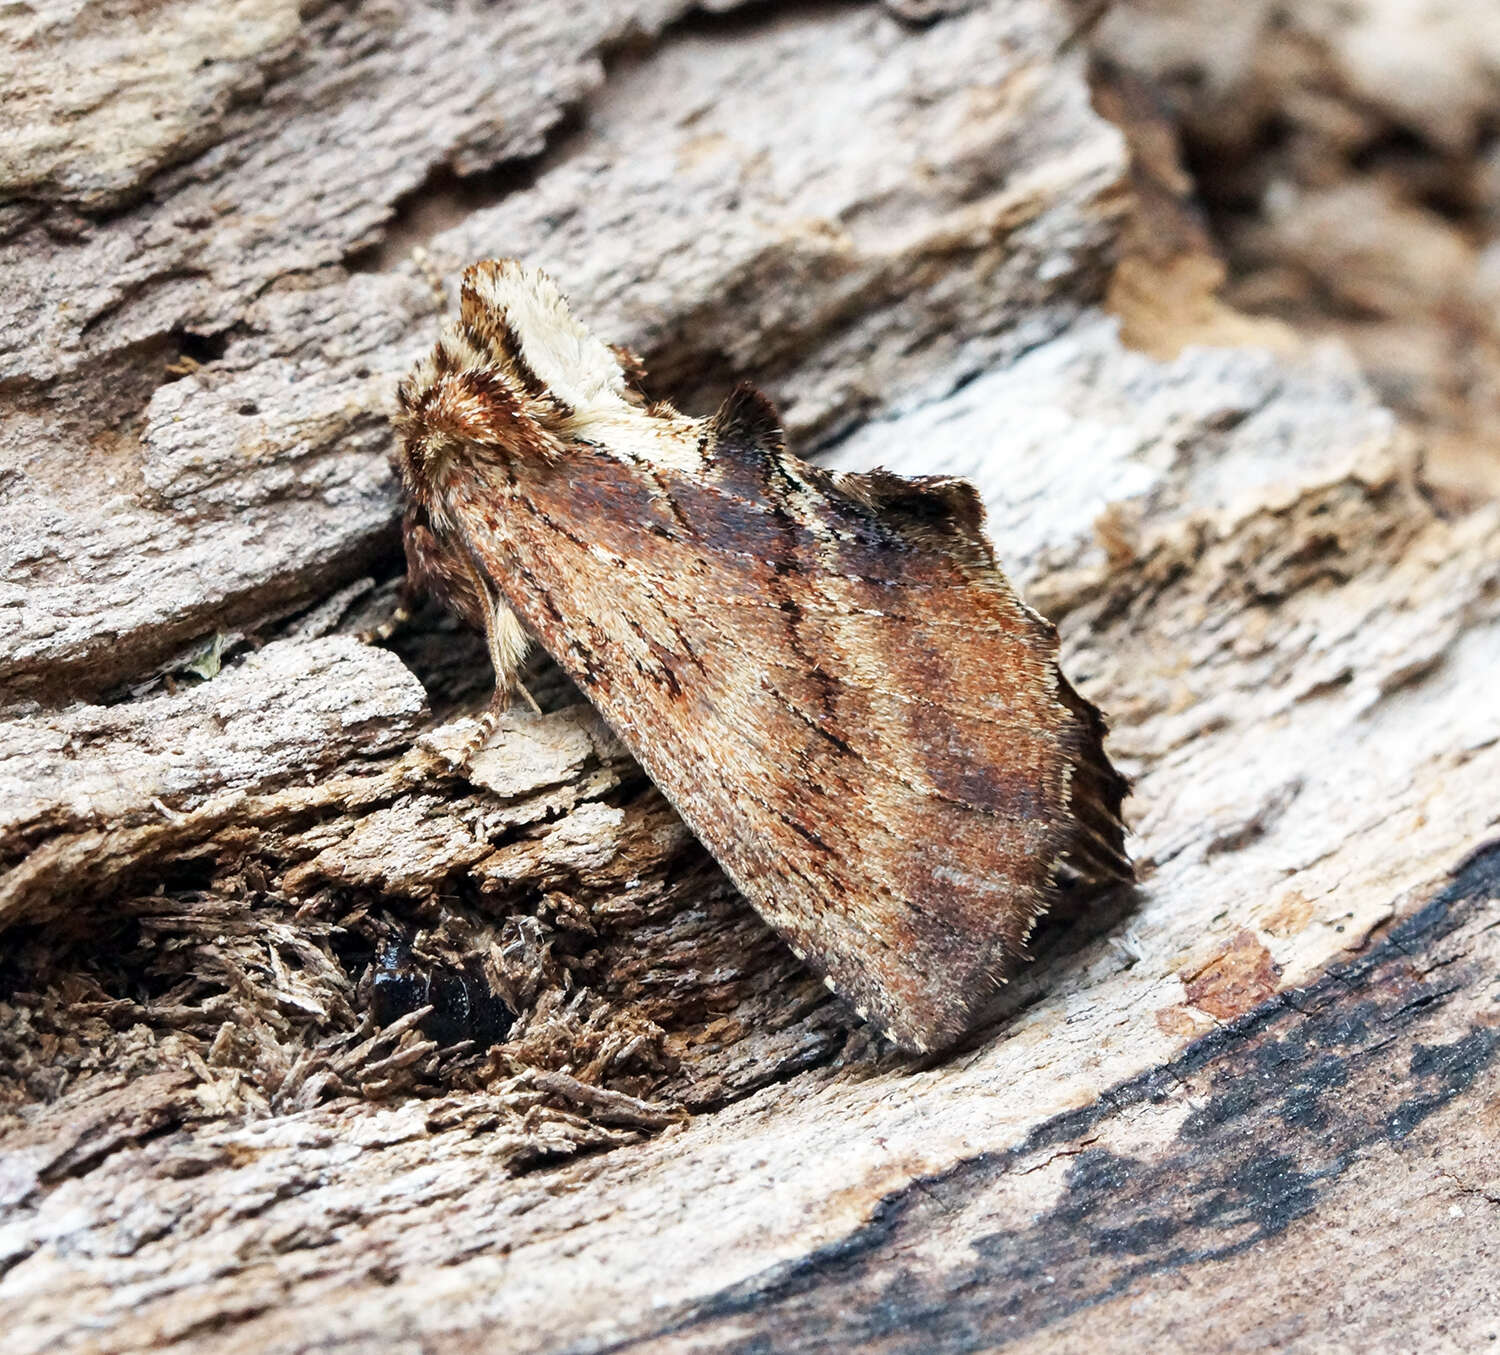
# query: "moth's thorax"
{"points": [[515, 386], [469, 431]]}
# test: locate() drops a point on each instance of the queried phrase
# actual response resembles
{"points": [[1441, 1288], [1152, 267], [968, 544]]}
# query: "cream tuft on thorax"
{"points": [[544, 339], [514, 322]]}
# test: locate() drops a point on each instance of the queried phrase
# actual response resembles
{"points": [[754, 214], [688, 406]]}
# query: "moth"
{"points": [[826, 674]]}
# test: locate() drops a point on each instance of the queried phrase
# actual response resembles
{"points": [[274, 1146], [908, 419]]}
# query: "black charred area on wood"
{"points": [[1281, 1104]]}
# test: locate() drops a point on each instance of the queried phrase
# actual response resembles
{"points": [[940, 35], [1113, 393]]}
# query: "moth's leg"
{"points": [[427, 572], [398, 620], [508, 643]]}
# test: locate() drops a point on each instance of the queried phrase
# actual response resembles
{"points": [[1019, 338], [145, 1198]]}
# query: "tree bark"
{"points": [[1250, 1103]]}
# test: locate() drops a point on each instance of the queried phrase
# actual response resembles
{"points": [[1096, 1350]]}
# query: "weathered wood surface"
{"points": [[1252, 1104], [1345, 150]]}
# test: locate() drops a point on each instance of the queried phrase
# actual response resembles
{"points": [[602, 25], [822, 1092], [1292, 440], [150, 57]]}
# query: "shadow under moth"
{"points": [[826, 674]]}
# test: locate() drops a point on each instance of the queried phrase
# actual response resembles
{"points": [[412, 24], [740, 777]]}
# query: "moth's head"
{"points": [[508, 379], [456, 415]]}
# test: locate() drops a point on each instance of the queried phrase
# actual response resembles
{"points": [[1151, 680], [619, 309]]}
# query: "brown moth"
{"points": [[827, 675]]}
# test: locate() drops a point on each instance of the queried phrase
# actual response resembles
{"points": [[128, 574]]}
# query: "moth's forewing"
{"points": [[827, 676]]}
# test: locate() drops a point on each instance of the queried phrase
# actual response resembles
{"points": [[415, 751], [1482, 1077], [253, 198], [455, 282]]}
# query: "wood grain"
{"points": [[1251, 1105]]}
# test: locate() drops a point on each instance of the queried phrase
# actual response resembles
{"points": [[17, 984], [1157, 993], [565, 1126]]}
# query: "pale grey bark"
{"points": [[217, 803]]}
